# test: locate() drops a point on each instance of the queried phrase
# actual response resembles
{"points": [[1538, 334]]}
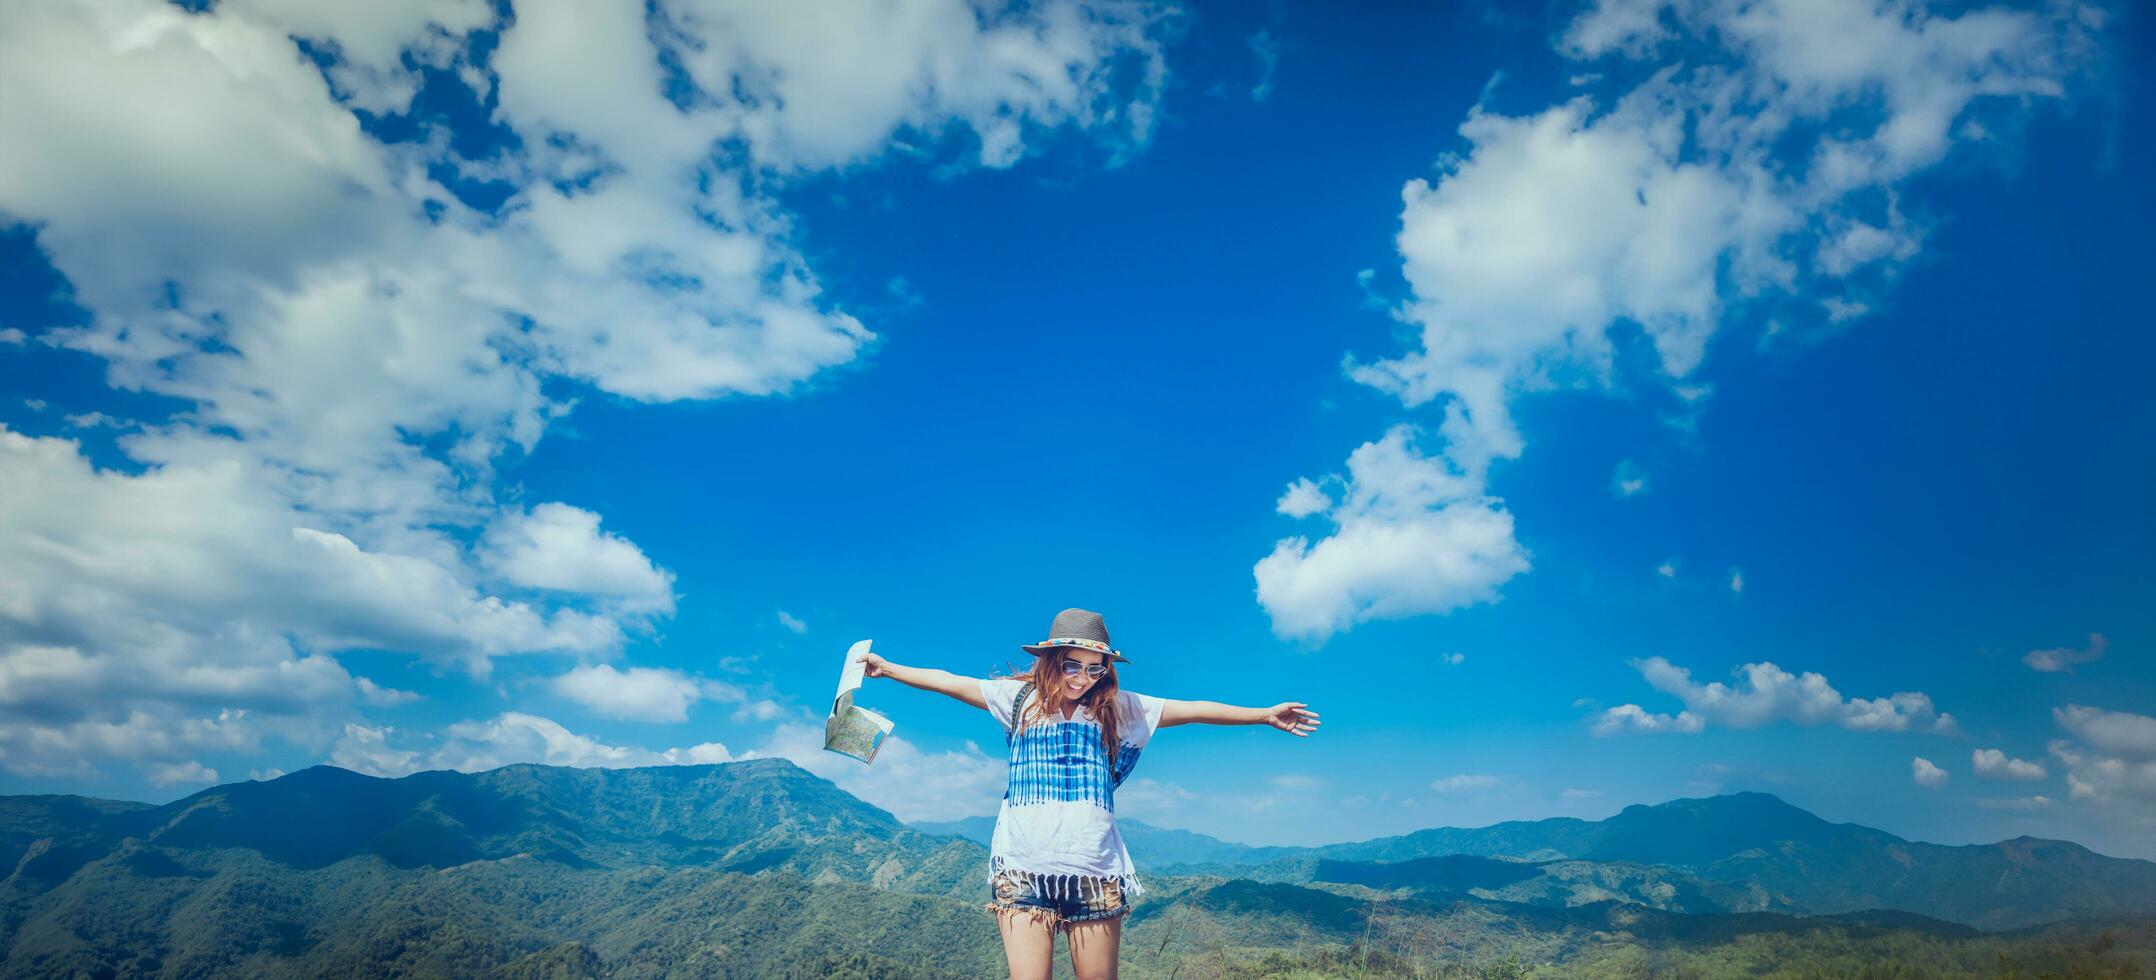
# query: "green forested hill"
{"points": [[1208, 928], [747, 816], [741, 869], [226, 913]]}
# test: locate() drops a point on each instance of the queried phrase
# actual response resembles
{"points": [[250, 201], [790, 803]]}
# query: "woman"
{"points": [[1057, 862]]}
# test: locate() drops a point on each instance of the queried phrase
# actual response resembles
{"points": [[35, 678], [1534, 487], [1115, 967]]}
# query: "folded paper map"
{"points": [[854, 730]]}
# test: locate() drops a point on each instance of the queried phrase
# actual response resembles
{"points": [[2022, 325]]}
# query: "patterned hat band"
{"points": [[1079, 628]]}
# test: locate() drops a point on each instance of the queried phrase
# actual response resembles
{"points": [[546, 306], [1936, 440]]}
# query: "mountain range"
{"points": [[758, 868], [1738, 852], [743, 817]]}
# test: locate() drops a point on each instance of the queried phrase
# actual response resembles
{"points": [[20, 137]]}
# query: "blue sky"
{"points": [[505, 387]]}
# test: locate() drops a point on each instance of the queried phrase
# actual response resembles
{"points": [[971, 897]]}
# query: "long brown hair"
{"points": [[1100, 699]]}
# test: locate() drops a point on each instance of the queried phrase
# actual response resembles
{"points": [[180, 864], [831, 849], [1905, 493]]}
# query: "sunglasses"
{"points": [[1095, 671]]}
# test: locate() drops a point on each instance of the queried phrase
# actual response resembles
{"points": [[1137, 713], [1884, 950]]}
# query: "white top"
{"points": [[1058, 812]]}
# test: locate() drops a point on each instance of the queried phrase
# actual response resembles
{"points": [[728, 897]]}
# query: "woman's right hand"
{"points": [[873, 665]]}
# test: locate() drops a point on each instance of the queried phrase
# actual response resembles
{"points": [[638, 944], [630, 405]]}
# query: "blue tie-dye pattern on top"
{"points": [[1063, 762], [1056, 823]]}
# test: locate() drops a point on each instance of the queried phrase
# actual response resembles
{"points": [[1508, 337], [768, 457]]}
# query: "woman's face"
{"points": [[1075, 685]]}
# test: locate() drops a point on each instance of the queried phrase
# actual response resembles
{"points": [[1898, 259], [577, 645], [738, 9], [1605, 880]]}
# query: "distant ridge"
{"points": [[1680, 832], [1745, 852]]}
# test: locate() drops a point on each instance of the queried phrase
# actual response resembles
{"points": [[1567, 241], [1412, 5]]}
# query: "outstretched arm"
{"points": [[967, 689], [1293, 717]]}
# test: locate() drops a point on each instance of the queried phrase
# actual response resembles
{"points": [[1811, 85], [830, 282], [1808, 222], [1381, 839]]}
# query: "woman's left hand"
{"points": [[1292, 717]]}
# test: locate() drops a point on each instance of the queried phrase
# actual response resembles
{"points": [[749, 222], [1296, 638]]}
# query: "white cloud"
{"points": [[1926, 775], [94, 420], [2065, 659], [370, 38], [13, 336], [2115, 757], [638, 693], [367, 750], [264, 775], [831, 86], [1295, 782], [163, 597], [910, 783], [2101, 778], [761, 709], [1994, 764], [1736, 580], [1413, 535], [1667, 569], [1463, 783], [509, 738], [383, 697], [1303, 498], [1152, 800], [354, 348], [1767, 695], [1629, 480], [174, 773], [791, 622], [561, 548], [1757, 160], [2120, 733], [513, 737], [145, 732], [208, 572], [1452, 659], [1630, 719], [1550, 229]]}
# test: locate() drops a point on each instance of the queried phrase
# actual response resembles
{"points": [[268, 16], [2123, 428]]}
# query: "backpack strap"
{"points": [[1017, 705]]}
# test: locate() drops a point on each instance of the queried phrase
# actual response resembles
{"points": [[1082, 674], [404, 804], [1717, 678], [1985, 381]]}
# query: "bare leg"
{"points": [[1094, 948], [1029, 943]]}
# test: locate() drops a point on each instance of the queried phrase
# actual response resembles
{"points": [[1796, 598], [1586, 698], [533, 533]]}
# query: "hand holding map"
{"points": [[852, 730]]}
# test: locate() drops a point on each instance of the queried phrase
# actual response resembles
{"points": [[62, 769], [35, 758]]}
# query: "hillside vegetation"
{"points": [[759, 869]]}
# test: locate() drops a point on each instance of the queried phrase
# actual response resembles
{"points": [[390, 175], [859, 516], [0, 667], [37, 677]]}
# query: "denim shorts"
{"points": [[1062, 901]]}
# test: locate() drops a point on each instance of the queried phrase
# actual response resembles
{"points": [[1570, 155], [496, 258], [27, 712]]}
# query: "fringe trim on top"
{"points": [[1089, 890], [1067, 887]]}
